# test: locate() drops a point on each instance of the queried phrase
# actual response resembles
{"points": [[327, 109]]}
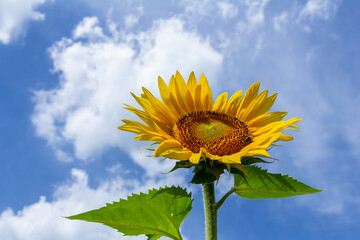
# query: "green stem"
{"points": [[210, 211], [222, 200]]}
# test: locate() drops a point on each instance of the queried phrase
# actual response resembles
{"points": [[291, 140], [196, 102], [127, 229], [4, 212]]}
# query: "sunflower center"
{"points": [[219, 133], [209, 129]]}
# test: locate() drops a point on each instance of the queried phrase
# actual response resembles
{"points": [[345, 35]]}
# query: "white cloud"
{"points": [[311, 54], [228, 10], [200, 8], [44, 220], [97, 73], [255, 11], [223, 9], [155, 168], [89, 28], [252, 23], [258, 47], [336, 200], [14, 15], [323, 9], [281, 21], [132, 19], [233, 24], [116, 168]]}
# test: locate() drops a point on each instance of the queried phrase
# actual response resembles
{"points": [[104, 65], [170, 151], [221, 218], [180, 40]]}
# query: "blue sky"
{"points": [[67, 68]]}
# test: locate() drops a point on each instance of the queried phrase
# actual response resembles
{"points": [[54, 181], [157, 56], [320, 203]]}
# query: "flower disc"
{"points": [[219, 133]]}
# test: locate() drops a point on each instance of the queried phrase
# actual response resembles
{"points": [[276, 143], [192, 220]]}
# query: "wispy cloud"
{"points": [[324, 9], [281, 21], [227, 9], [317, 9], [132, 19]]}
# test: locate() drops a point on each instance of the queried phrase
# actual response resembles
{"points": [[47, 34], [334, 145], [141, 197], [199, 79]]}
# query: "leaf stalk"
{"points": [[222, 200]]}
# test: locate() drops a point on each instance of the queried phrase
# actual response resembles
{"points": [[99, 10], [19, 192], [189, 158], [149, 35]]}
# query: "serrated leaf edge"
{"points": [[295, 193], [134, 195]]}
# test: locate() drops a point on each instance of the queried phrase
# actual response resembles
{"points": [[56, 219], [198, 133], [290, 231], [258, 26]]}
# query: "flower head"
{"points": [[188, 125]]}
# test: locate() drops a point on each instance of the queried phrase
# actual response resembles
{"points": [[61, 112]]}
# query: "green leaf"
{"points": [[252, 160], [260, 184], [181, 164], [202, 176], [153, 237], [215, 171], [156, 214], [207, 173]]}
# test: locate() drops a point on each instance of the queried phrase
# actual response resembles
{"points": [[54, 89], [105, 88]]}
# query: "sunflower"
{"points": [[188, 126]]}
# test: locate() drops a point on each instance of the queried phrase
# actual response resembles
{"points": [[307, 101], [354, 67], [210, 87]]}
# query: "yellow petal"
{"points": [[285, 138], [150, 138], [166, 146], [195, 157], [259, 152], [267, 141], [190, 101], [276, 126], [134, 124], [145, 104], [266, 106], [250, 94], [182, 155], [136, 127], [266, 119], [174, 103], [172, 84], [160, 109], [163, 89], [179, 79], [180, 92], [220, 102], [206, 95], [192, 83], [163, 130], [176, 95], [233, 104], [247, 113], [209, 155], [235, 158], [141, 114], [169, 101], [198, 105], [128, 128]]}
